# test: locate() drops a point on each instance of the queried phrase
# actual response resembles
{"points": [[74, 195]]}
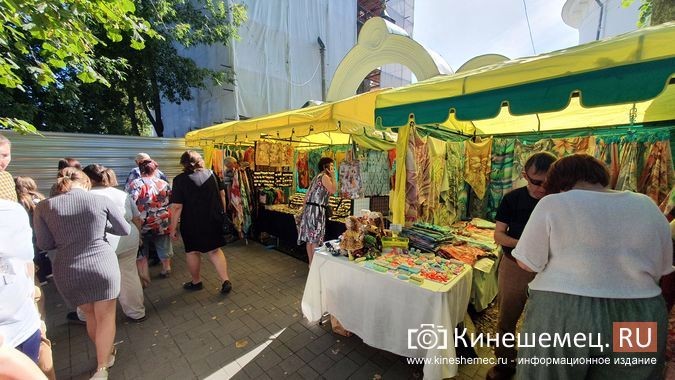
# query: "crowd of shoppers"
{"points": [[98, 240]]}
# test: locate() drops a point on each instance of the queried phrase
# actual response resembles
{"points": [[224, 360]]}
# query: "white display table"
{"points": [[381, 309]]}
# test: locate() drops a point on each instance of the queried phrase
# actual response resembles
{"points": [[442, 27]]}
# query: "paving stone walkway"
{"points": [[255, 332]]}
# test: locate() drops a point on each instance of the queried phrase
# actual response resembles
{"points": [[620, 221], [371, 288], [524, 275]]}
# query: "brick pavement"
{"points": [[198, 335]]}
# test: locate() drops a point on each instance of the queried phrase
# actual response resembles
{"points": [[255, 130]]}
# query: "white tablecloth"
{"points": [[381, 309]]}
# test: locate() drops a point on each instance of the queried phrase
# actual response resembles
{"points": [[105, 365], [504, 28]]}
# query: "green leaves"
{"points": [[18, 125], [105, 66]]}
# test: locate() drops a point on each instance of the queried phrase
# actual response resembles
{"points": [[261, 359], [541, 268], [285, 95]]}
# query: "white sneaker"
{"points": [[101, 374]]}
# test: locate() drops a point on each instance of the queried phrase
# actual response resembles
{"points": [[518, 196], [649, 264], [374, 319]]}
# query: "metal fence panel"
{"points": [[37, 156]]}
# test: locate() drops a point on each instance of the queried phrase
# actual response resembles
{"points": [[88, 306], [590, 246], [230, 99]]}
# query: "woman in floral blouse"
{"points": [[152, 195]]}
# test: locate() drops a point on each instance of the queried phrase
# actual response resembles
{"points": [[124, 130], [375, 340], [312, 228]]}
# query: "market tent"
{"points": [[597, 84], [619, 81], [328, 123]]}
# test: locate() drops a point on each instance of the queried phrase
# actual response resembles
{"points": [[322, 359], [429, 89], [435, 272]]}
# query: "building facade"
{"points": [[599, 19], [276, 62]]}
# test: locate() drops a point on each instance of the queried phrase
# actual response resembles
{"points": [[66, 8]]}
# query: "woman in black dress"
{"points": [[198, 201]]}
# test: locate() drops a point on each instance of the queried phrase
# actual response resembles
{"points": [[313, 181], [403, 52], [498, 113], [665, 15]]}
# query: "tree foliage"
{"points": [[653, 12], [40, 40], [160, 73], [120, 90]]}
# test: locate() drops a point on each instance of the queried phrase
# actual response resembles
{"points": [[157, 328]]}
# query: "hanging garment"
{"points": [[350, 179], [432, 213], [315, 156], [249, 156], [477, 165], [302, 170], [246, 199], [287, 153], [607, 151], [627, 177], [236, 204], [455, 197], [657, 176], [418, 179], [374, 173], [392, 168], [276, 155], [567, 146], [501, 174], [217, 162], [339, 153], [262, 153], [521, 152], [669, 203]]}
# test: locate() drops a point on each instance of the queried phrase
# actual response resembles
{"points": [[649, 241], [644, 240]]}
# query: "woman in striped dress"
{"points": [[85, 268]]}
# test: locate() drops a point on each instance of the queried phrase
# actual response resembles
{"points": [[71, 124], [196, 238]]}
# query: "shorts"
{"points": [[162, 245], [31, 346]]}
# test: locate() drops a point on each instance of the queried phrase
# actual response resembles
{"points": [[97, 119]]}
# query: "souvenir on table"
{"points": [[352, 239], [417, 268], [394, 244], [375, 224], [462, 251]]}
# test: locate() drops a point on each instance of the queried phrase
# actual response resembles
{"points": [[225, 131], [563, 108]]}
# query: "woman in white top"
{"points": [[599, 255], [103, 181], [19, 318]]}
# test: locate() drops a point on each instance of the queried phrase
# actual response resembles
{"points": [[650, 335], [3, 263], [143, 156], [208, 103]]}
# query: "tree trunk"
{"points": [[131, 109], [662, 11], [156, 104], [150, 115]]}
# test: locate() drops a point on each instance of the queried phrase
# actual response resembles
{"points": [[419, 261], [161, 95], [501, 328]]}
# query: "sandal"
{"points": [[101, 374], [111, 361]]}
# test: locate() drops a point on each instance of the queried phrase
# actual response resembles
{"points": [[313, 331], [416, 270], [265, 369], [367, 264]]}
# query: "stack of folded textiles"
{"points": [[427, 237]]}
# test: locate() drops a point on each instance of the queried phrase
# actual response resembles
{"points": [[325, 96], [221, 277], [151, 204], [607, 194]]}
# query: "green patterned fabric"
{"points": [[455, 197], [501, 176]]}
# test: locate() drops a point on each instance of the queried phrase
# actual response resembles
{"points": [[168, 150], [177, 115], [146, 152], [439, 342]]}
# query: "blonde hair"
{"points": [[229, 160], [109, 178], [26, 190], [66, 178]]}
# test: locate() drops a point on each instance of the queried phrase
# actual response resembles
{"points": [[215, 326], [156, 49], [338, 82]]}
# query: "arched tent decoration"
{"points": [[482, 61], [381, 42], [624, 80]]}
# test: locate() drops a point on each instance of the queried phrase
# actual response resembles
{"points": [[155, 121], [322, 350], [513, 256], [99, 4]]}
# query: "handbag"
{"points": [[226, 224]]}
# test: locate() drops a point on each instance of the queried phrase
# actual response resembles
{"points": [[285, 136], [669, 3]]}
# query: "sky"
{"points": [[459, 30]]}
